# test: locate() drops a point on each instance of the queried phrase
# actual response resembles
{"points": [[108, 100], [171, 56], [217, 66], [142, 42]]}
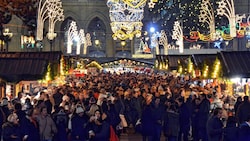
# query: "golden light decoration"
{"points": [[126, 17], [216, 69]]}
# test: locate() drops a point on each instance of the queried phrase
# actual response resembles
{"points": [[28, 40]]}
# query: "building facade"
{"points": [[93, 17]]}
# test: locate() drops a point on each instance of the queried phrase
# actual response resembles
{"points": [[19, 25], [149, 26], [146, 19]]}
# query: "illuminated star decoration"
{"points": [[217, 44], [151, 4]]}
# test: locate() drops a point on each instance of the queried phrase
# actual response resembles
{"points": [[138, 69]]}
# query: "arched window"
{"points": [[97, 31]]}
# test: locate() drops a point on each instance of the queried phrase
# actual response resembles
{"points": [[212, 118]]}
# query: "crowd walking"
{"points": [[103, 106]]}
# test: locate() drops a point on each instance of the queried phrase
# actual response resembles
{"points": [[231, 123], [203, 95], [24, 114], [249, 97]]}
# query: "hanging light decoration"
{"points": [[126, 17], [79, 37], [164, 41], [178, 35], [226, 8], [207, 16], [72, 33], [52, 10]]}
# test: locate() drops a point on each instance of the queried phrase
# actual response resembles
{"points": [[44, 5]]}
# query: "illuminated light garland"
{"points": [[134, 3], [124, 31], [126, 16], [196, 35]]}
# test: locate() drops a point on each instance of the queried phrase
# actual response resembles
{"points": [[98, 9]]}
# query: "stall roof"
{"points": [[16, 69], [51, 56], [17, 66], [201, 58], [235, 63], [173, 60]]}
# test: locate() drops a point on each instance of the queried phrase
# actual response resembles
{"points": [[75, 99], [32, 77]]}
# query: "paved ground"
{"points": [[133, 137]]}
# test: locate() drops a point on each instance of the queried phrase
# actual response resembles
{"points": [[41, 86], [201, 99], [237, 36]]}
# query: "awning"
{"points": [[15, 70], [17, 66], [235, 63], [200, 59], [174, 59]]}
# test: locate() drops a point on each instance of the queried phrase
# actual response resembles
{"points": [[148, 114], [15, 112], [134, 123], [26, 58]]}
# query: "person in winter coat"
{"points": [[158, 111], [79, 123], [244, 132], [104, 133], [202, 117], [11, 130], [215, 126], [231, 131], [184, 117], [194, 118], [47, 127], [29, 126], [61, 121], [171, 125], [243, 110], [147, 124]]}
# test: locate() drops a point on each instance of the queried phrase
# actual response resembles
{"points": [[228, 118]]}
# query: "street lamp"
{"points": [[207, 16], [52, 10], [226, 7], [178, 35], [27, 42], [123, 44], [97, 43], [6, 37]]}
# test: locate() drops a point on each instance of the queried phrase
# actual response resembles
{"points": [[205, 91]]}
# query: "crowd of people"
{"points": [[104, 106]]}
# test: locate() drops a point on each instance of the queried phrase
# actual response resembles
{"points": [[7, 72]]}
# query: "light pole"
{"points": [[52, 10], [226, 7], [207, 16]]}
